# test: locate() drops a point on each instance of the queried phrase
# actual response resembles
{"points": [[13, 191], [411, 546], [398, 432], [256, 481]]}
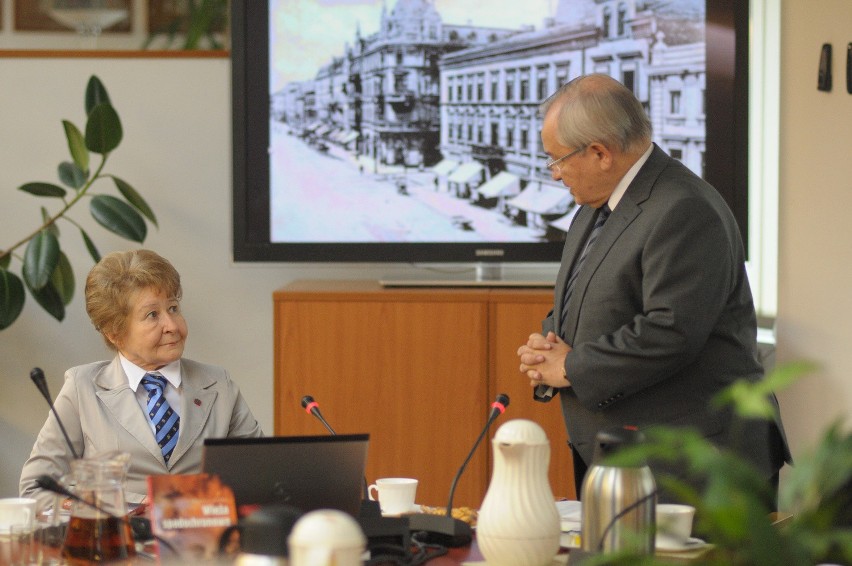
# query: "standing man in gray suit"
{"points": [[653, 314]]}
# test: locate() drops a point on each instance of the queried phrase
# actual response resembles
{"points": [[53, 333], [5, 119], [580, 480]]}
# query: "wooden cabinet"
{"points": [[417, 369]]}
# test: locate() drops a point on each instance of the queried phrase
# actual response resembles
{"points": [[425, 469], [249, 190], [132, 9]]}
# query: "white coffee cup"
{"points": [[326, 537], [395, 495], [17, 511], [674, 524]]}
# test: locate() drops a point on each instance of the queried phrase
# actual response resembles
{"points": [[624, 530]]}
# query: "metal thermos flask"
{"points": [[618, 502]]}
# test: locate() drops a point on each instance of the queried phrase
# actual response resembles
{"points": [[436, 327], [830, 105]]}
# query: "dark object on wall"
{"points": [[824, 78], [849, 68]]}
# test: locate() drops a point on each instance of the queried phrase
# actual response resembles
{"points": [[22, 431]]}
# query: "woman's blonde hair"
{"points": [[113, 281]]}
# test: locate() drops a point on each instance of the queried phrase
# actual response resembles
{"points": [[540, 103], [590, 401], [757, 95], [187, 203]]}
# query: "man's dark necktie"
{"points": [[603, 214], [166, 422]]}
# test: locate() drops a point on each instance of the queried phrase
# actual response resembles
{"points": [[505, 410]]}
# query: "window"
{"points": [[543, 91], [607, 22], [622, 20], [510, 87], [764, 89], [510, 138], [495, 133], [674, 102], [525, 139], [495, 82], [561, 74], [525, 85], [677, 154], [628, 79]]}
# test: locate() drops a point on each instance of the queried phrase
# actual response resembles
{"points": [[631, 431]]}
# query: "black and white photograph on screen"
{"points": [[417, 120]]}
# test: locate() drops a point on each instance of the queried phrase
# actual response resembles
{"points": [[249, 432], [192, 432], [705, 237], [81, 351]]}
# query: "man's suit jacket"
{"points": [[101, 414], [661, 317]]}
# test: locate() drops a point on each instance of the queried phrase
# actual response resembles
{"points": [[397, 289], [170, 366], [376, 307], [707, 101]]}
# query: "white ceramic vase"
{"points": [[518, 523]]}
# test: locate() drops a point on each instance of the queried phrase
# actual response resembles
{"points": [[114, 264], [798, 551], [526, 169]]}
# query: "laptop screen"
{"points": [[307, 472]]}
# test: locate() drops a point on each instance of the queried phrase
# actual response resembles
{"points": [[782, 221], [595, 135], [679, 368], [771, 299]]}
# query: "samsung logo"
{"points": [[490, 253]]}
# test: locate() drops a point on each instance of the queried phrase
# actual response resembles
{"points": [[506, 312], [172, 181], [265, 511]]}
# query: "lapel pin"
{"points": [[197, 402]]}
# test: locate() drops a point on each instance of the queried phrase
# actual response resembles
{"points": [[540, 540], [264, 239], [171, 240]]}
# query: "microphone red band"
{"points": [[311, 406], [499, 406]]}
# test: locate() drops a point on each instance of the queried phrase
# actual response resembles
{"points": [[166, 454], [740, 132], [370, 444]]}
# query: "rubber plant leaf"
{"points": [[40, 259], [12, 298], [118, 217], [103, 129]]}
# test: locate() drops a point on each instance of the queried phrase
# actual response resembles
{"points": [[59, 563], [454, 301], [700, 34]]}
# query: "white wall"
{"points": [[815, 254], [177, 153]]}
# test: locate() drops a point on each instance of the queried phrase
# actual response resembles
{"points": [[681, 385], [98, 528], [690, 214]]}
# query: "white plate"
{"points": [[668, 545]]}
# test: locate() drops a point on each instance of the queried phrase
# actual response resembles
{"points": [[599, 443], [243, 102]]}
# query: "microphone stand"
{"points": [[37, 375], [445, 529], [369, 508]]}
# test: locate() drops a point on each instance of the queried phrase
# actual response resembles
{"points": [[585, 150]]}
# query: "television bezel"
{"points": [[726, 157]]}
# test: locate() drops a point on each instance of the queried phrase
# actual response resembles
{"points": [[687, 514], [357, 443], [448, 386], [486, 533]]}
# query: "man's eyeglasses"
{"points": [[551, 163]]}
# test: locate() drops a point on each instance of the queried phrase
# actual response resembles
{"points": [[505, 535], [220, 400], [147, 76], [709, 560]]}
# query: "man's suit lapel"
{"points": [[629, 207], [574, 240], [120, 401], [197, 403]]}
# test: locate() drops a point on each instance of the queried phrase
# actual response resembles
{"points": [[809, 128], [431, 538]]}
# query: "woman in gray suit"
{"points": [[148, 401]]}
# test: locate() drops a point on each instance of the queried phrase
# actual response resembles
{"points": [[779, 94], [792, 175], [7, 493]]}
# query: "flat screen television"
{"points": [[407, 130]]}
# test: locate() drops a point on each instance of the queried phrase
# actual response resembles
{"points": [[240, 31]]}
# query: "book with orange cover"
{"points": [[189, 514]]}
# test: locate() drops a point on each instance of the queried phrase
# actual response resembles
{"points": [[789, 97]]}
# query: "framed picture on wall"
{"points": [[176, 15], [73, 16]]}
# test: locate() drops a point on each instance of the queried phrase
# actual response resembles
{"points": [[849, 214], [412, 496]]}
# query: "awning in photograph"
{"points": [[445, 166], [349, 138], [540, 199], [322, 129], [502, 184], [564, 222], [466, 172], [313, 126]]}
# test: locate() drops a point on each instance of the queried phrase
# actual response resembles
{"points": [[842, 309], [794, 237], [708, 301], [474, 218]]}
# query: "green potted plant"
{"points": [[45, 269], [732, 510]]}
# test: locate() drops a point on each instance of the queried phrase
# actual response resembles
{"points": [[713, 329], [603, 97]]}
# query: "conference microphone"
{"points": [[312, 408], [369, 508], [37, 375], [444, 529]]}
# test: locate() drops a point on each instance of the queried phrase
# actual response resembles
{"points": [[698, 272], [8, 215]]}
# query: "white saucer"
{"points": [[668, 545]]}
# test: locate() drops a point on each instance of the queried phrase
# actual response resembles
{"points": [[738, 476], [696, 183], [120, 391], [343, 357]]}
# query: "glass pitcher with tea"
{"points": [[98, 530]]}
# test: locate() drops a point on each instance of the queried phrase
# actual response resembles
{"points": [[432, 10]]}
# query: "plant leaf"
{"points": [[71, 175], [40, 259], [118, 217], [90, 245], [49, 299], [52, 227], [62, 279], [5, 261], [77, 145], [12, 298], [135, 199], [96, 93], [103, 129], [43, 189]]}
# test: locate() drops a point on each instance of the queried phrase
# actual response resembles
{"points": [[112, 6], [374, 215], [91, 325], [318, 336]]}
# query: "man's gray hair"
{"points": [[598, 108]]}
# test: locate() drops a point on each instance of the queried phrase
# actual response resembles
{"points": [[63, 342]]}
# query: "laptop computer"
{"points": [[307, 472]]}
